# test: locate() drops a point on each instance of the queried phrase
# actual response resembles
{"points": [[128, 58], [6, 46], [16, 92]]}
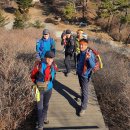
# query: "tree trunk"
{"points": [[84, 4], [127, 40], [110, 24]]}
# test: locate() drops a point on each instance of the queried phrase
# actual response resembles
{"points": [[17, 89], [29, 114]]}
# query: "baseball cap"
{"points": [[83, 41], [49, 54], [45, 31], [68, 31]]}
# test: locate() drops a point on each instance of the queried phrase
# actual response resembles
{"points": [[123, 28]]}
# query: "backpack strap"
{"points": [[55, 66], [37, 45], [86, 55], [94, 51], [35, 70], [52, 42], [98, 60]]}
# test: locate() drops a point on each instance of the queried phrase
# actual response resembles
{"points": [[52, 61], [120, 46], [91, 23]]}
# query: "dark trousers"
{"points": [[68, 63], [42, 106], [84, 91], [76, 57], [75, 60]]}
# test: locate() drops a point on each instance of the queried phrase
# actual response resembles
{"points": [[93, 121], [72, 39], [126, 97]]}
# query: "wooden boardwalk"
{"points": [[63, 108]]}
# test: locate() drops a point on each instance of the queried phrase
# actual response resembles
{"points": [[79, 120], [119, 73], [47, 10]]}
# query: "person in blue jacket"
{"points": [[44, 81], [46, 43], [85, 65]]}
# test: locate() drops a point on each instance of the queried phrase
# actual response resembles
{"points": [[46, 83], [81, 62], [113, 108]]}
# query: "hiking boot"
{"points": [[82, 112], [77, 99], [46, 121], [39, 128], [67, 74]]}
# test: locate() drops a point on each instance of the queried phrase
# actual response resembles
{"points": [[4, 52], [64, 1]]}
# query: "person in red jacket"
{"points": [[43, 75]]}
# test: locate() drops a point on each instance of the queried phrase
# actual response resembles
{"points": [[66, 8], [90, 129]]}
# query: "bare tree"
{"points": [[5, 2]]}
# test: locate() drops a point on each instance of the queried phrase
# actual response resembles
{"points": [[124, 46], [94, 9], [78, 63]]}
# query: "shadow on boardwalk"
{"points": [[67, 93], [73, 128]]}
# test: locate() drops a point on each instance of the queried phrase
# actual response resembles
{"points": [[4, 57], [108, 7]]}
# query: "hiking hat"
{"points": [[49, 54], [83, 41], [68, 31], [85, 36], [45, 31]]}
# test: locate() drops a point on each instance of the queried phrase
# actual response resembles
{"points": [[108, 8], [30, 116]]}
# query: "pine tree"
{"points": [[119, 8], [123, 6], [106, 10], [3, 19], [19, 21], [24, 5], [69, 11]]}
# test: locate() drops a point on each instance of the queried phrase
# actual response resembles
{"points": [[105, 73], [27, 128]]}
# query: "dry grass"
{"points": [[17, 55], [16, 59], [112, 88]]}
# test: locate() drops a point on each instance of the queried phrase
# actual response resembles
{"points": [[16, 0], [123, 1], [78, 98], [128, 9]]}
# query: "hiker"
{"points": [[43, 80], [85, 65], [46, 43], [63, 40], [68, 41], [79, 36]]}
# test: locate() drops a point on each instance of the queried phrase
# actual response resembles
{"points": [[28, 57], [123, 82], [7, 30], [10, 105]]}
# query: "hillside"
{"points": [[38, 12], [116, 24]]}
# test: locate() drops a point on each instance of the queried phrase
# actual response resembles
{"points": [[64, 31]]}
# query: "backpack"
{"points": [[98, 61], [37, 68]]}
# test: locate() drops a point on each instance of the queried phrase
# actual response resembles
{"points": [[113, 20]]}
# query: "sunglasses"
{"points": [[45, 34]]}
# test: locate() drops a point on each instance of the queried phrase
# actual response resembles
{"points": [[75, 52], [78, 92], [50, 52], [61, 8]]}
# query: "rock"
{"points": [[66, 22], [83, 24], [57, 18]]}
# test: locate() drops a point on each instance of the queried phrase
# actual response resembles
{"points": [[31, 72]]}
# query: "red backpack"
{"points": [[98, 61], [36, 69]]}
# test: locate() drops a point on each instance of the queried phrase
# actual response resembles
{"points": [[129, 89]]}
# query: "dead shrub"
{"points": [[126, 32], [111, 84], [16, 99], [16, 59], [17, 55], [102, 22], [115, 29], [49, 20], [119, 32], [115, 33]]}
